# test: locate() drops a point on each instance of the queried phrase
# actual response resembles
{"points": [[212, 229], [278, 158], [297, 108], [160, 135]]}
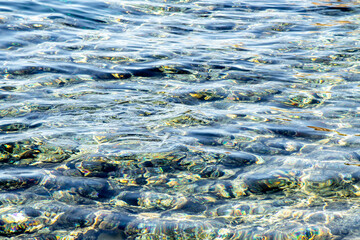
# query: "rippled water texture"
{"points": [[179, 119]]}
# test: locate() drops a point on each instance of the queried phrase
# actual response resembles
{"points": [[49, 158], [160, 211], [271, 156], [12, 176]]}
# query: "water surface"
{"points": [[179, 119]]}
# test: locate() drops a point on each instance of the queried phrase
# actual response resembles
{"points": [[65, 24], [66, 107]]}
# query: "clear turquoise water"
{"points": [[179, 119]]}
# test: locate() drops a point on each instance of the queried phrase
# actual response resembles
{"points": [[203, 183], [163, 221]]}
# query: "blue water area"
{"points": [[179, 119]]}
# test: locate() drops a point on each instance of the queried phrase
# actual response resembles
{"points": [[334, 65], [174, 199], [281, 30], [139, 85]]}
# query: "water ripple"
{"points": [[179, 119]]}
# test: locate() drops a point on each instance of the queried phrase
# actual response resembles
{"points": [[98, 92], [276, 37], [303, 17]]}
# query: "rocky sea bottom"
{"points": [[179, 119], [51, 191]]}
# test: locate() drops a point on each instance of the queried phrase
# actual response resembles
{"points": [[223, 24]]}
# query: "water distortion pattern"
{"points": [[179, 119]]}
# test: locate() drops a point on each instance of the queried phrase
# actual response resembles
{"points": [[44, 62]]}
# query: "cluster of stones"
{"points": [[169, 194]]}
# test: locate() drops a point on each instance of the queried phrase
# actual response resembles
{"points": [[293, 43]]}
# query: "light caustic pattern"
{"points": [[179, 119]]}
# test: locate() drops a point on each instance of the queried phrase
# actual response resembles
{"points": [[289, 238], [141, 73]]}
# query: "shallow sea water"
{"points": [[179, 119]]}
